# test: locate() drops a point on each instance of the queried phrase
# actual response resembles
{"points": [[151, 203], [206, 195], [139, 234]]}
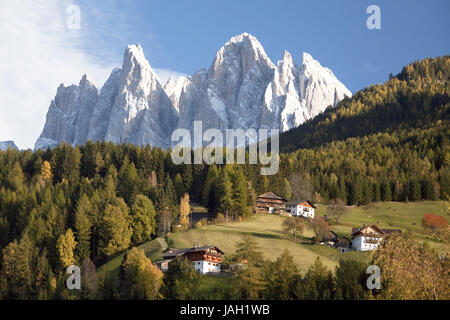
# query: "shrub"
{"points": [[434, 222]]}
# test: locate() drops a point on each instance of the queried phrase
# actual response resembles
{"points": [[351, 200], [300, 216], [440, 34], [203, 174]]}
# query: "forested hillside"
{"points": [[416, 98], [89, 203]]}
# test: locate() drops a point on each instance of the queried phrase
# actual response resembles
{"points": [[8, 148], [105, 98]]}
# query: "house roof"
{"points": [[271, 195], [389, 231], [380, 230], [163, 261], [294, 203], [170, 252]]}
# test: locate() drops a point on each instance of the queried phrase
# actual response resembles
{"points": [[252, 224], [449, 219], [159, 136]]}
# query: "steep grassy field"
{"points": [[268, 233], [153, 250], [405, 216], [267, 230]]}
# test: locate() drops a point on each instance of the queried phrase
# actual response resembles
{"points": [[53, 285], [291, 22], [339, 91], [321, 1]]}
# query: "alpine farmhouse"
{"points": [[302, 208], [270, 202], [207, 259], [369, 237]]}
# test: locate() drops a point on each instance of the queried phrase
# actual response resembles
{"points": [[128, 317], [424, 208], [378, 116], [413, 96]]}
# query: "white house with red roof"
{"points": [[369, 237]]}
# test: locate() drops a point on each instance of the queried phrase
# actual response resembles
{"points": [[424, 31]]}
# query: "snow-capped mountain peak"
{"points": [[242, 89]]}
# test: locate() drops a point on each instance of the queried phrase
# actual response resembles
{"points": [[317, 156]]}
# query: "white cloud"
{"points": [[165, 74], [38, 53]]}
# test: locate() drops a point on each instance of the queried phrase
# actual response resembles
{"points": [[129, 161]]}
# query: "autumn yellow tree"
{"points": [[139, 278], [46, 172], [410, 270], [66, 245], [185, 209]]}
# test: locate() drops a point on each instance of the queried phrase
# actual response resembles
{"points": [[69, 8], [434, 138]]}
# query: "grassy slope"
{"points": [[267, 230], [405, 216], [152, 249]]}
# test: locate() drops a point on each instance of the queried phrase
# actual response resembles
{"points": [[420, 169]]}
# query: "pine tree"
{"points": [[128, 178], [83, 227], [115, 231], [318, 283], [239, 192], [180, 281], [286, 191], [248, 283], [224, 192], [16, 276], [248, 249], [170, 195], [280, 277], [143, 215], [350, 280], [414, 193], [179, 186], [386, 193], [209, 187]]}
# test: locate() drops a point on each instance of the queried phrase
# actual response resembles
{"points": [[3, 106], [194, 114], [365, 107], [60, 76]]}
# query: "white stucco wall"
{"points": [[360, 244], [205, 267], [299, 211]]}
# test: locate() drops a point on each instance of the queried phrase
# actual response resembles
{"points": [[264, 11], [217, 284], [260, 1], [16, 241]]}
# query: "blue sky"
{"points": [[40, 52]]}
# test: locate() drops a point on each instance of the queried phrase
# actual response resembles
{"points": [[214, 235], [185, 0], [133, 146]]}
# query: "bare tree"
{"points": [[320, 228], [336, 209], [293, 226], [301, 187], [164, 221]]}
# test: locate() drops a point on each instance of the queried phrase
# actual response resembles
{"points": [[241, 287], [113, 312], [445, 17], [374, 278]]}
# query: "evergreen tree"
{"points": [[209, 188], [225, 192], [115, 231], [240, 196], [248, 249], [414, 193], [248, 283], [281, 277], [386, 193], [350, 280], [286, 191], [83, 227], [318, 283], [179, 186], [143, 216], [180, 281]]}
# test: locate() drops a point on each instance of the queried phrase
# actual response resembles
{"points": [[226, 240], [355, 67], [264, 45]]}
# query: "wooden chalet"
{"points": [[205, 259], [270, 202]]}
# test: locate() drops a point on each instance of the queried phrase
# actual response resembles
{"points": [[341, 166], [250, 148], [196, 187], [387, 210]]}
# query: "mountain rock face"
{"points": [[242, 89], [4, 145]]}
